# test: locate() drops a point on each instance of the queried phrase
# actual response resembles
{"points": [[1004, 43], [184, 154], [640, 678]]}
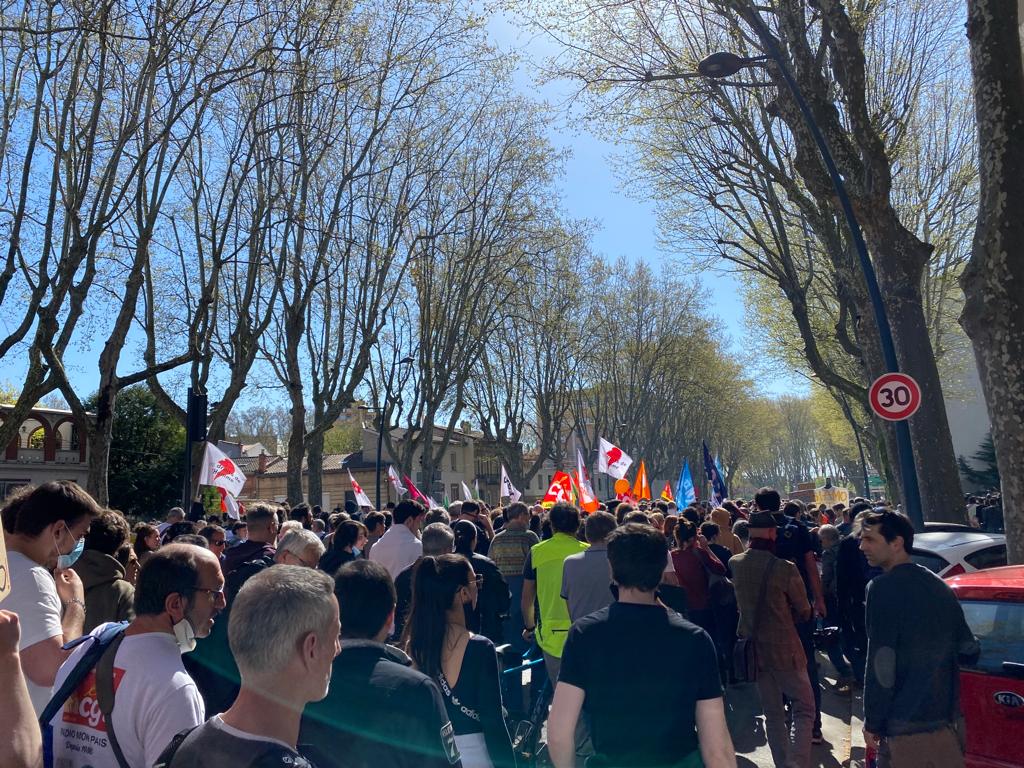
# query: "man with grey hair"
{"points": [[284, 632], [438, 539], [299, 547], [212, 665], [174, 515]]}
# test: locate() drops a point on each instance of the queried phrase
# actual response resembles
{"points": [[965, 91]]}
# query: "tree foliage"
{"points": [[147, 456]]}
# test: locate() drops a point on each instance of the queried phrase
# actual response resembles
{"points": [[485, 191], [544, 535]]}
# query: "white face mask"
{"points": [[185, 635]]}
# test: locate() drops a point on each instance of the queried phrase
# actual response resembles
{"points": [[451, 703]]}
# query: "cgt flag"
{"points": [[220, 471], [559, 490], [718, 489], [612, 461], [685, 491], [507, 489], [361, 498]]}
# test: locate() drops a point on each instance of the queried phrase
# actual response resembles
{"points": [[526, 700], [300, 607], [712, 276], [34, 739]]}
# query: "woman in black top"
{"points": [[346, 545], [494, 596], [464, 665]]}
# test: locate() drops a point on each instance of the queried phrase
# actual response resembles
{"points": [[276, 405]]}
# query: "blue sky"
{"points": [[626, 225], [590, 190]]}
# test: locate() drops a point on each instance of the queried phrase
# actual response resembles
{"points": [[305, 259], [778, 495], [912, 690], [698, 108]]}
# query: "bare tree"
{"points": [[993, 280], [638, 61], [127, 99]]}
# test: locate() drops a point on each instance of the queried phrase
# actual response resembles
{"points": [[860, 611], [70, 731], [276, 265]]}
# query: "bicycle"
{"points": [[527, 741]]}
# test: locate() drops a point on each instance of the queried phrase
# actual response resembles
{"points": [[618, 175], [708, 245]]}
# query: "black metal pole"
{"points": [[380, 429], [186, 482], [911, 490]]}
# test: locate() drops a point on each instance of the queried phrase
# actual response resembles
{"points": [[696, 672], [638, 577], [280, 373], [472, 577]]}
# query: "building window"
{"points": [[454, 467], [456, 493]]}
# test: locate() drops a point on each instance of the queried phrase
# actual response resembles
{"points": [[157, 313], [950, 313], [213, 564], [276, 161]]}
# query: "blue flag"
{"points": [[714, 475], [685, 493]]}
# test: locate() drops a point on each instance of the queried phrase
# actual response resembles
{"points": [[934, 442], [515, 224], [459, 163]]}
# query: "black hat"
{"points": [[761, 519]]}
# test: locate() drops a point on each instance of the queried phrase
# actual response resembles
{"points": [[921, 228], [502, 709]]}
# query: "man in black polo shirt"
{"points": [[600, 674], [379, 712], [796, 543]]}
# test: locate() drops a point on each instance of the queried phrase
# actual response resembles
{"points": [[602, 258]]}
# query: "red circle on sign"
{"points": [[895, 396]]}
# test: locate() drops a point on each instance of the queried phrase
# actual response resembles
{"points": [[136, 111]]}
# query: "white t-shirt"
{"points": [[154, 699], [34, 598], [397, 549]]}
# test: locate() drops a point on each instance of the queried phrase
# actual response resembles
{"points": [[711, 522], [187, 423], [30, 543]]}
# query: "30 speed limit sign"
{"points": [[895, 396]]}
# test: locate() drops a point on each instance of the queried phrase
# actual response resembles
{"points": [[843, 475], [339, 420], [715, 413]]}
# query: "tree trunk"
{"points": [[993, 281], [99, 438], [296, 443], [937, 475]]}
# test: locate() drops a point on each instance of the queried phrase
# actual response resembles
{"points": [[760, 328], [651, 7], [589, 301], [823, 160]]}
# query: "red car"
{"points": [[992, 690]]}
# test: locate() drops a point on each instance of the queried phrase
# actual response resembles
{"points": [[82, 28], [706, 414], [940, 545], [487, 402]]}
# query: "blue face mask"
{"points": [[66, 561]]}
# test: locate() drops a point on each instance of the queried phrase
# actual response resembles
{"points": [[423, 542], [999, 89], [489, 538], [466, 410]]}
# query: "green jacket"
{"points": [[108, 597]]}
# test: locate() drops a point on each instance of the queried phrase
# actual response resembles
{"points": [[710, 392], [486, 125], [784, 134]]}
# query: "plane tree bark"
{"points": [[993, 282]]}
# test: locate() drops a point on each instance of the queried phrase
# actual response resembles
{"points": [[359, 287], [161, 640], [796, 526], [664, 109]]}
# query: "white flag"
{"points": [[586, 491], [220, 471], [396, 481], [362, 499], [612, 460], [507, 489], [466, 493]]}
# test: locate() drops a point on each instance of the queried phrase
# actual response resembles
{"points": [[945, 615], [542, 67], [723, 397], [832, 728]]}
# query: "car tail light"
{"points": [[956, 570]]}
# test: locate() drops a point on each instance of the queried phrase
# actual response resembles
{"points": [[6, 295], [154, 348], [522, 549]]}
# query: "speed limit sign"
{"points": [[895, 396]]}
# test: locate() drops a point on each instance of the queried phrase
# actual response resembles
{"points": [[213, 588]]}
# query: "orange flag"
{"points": [[666, 493], [641, 488]]}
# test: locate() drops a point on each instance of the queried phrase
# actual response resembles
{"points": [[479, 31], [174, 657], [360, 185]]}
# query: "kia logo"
{"points": [[1009, 699]]}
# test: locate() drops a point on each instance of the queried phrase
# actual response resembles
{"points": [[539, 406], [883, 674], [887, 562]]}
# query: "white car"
{"points": [[952, 552]]}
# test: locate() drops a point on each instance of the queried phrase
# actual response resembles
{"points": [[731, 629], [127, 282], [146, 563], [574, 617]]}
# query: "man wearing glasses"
{"points": [[179, 593]]}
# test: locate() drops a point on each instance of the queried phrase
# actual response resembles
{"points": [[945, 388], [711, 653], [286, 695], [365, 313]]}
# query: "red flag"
{"points": [[414, 491], [559, 490]]}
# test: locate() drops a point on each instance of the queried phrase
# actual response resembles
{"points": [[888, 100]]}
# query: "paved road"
{"points": [[840, 724]]}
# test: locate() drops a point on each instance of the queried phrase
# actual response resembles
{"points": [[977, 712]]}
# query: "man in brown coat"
{"points": [[782, 665]]}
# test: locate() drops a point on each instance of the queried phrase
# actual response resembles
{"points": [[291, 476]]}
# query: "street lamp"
{"points": [[380, 425], [724, 64]]}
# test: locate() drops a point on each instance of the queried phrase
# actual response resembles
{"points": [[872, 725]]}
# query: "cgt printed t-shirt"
{"points": [[154, 699]]}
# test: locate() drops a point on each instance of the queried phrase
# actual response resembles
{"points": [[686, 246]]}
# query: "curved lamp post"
{"points": [[724, 64]]}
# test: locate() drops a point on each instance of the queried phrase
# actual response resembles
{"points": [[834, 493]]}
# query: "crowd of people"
{"points": [[296, 637]]}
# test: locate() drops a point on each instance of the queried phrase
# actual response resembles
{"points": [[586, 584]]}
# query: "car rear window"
{"points": [[989, 557], [931, 561], [999, 627]]}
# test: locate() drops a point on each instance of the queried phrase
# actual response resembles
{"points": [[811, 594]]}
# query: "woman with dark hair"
{"points": [[147, 541], [464, 665], [495, 597], [693, 561], [346, 545]]}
